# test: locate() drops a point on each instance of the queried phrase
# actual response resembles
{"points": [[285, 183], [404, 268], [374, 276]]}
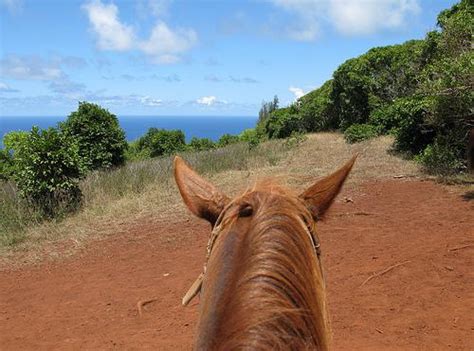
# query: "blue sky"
{"points": [[188, 57]]}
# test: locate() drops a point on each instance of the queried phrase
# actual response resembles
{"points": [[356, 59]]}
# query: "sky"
{"points": [[188, 57]]}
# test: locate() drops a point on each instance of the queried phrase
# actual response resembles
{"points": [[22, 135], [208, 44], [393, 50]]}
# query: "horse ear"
{"points": [[202, 198], [319, 197]]}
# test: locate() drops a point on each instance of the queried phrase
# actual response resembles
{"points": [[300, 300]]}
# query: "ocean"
{"points": [[212, 127]]}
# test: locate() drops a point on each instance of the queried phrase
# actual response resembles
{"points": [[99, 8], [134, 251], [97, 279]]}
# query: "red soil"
{"points": [[90, 301]]}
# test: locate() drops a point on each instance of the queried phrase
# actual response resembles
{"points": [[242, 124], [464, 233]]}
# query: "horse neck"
{"points": [[264, 289]]}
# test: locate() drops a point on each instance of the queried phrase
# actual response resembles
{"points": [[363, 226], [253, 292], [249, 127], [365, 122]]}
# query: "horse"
{"points": [[263, 286]]}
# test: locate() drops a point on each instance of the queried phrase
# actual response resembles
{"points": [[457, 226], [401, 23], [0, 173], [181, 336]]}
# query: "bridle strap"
{"points": [[197, 285]]}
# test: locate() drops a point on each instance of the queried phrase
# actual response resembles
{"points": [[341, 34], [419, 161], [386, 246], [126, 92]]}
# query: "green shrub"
{"points": [[48, 166], [6, 165], [252, 136], [386, 119], [101, 141], [440, 159], [315, 109], [227, 139], [201, 144], [359, 132], [11, 142], [281, 123], [376, 78], [158, 142], [413, 133]]}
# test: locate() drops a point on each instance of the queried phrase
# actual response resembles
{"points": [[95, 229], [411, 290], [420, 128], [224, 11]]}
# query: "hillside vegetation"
{"points": [[421, 92]]}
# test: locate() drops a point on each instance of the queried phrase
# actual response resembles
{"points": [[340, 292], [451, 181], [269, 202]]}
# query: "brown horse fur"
{"points": [[263, 288]]}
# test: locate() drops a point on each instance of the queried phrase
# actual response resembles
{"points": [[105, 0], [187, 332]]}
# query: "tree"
{"points": [[201, 144], [101, 141], [11, 142], [227, 139], [48, 167], [160, 142], [267, 108]]}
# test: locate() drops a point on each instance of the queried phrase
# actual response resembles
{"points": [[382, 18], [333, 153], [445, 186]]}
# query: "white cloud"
{"points": [[298, 92], [207, 100], [30, 67], [111, 33], [49, 70], [164, 45], [164, 42], [5, 88], [148, 101], [354, 17], [349, 17]]}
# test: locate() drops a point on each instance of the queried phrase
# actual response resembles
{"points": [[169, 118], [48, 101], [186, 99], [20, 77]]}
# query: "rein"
{"points": [[197, 285]]}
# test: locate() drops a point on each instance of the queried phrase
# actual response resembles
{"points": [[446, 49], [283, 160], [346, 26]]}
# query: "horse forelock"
{"points": [[263, 287]]}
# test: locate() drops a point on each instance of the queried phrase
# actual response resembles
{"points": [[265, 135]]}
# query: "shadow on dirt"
{"points": [[468, 196]]}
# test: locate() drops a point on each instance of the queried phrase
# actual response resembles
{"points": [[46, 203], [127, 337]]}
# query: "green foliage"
{"points": [[48, 166], [440, 159], [158, 142], [408, 115], [227, 139], [13, 140], [448, 81], [365, 83], [101, 141], [315, 109], [6, 164], [252, 137], [282, 122], [359, 132], [267, 108], [201, 144], [134, 152], [419, 91]]}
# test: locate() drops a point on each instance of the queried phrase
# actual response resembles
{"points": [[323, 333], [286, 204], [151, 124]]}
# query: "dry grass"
{"points": [[145, 191]]}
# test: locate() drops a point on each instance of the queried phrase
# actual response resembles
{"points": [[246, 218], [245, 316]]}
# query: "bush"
{"points": [[11, 142], [359, 132], [227, 139], [315, 109], [6, 165], [251, 136], [158, 142], [281, 123], [101, 141], [48, 166], [439, 158], [413, 133], [135, 153], [201, 144], [376, 78]]}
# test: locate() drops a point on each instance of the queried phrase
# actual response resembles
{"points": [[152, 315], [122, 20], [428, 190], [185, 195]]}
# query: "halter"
{"points": [[197, 285]]}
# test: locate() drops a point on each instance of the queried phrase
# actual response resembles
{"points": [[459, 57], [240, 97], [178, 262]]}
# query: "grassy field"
{"points": [[145, 190]]}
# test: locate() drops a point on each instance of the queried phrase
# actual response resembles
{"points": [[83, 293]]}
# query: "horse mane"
{"points": [[268, 290]]}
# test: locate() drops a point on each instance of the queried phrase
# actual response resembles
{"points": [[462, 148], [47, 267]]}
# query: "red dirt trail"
{"points": [[89, 301]]}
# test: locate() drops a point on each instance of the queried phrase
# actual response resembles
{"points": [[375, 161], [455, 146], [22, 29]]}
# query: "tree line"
{"points": [[421, 92]]}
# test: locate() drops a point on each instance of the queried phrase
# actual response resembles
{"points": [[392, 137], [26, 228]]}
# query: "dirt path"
{"points": [[90, 301]]}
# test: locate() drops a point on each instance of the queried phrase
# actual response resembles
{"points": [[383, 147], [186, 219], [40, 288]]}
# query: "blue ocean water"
{"points": [[212, 127]]}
